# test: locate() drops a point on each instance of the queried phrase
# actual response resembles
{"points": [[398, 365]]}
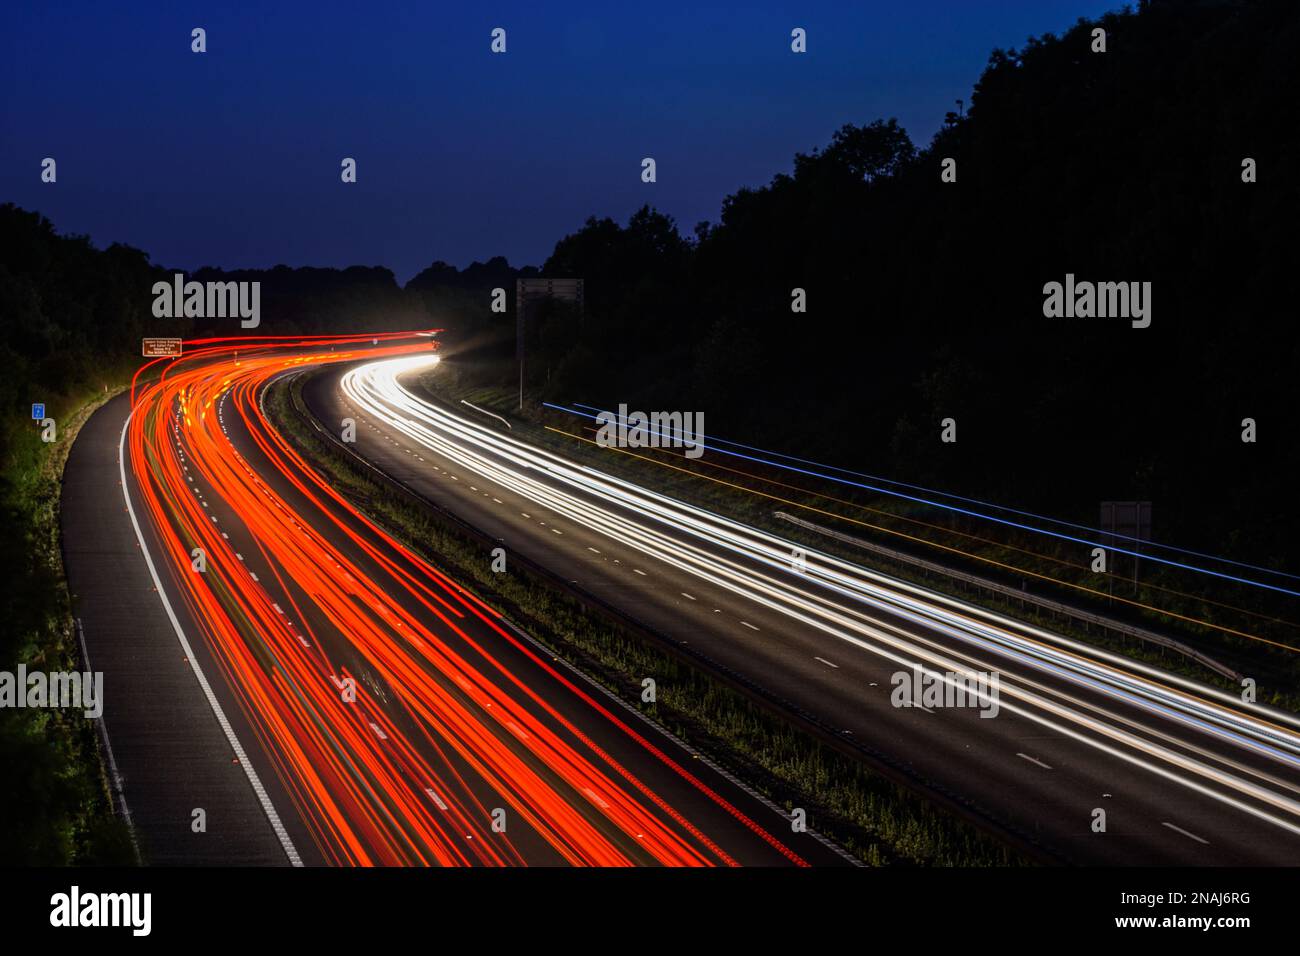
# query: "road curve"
{"points": [[1179, 772], [377, 713]]}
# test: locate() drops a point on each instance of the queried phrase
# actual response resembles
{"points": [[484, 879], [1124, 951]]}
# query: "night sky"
{"points": [[231, 158]]}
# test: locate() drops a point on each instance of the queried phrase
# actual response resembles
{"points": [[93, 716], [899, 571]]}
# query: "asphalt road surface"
{"points": [[326, 697], [1180, 773]]}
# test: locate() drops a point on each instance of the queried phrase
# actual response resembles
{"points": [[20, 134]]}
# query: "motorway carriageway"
{"points": [[458, 721], [1185, 773]]}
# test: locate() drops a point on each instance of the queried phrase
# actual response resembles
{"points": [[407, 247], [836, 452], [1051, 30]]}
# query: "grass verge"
{"points": [[878, 820], [56, 808], [1276, 671]]}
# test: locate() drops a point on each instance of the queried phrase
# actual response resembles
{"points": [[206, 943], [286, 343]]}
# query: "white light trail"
{"points": [[847, 602]]}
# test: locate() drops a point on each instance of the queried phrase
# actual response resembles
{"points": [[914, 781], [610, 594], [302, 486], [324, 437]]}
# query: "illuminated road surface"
{"points": [[1194, 752], [404, 720]]}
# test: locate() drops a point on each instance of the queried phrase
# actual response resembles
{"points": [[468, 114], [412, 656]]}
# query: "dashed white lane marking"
{"points": [[379, 731], [525, 514], [688, 596], [557, 531], [1032, 760], [434, 797], [748, 625], [593, 550], [826, 662], [599, 802], [1185, 833], [638, 571], [498, 501], [245, 764]]}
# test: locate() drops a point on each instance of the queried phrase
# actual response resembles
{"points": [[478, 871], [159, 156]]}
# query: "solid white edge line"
{"points": [[649, 721], [486, 412], [1185, 833], [119, 785], [1034, 760], [263, 797]]}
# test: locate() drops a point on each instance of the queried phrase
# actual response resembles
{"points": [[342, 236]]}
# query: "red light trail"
{"points": [[442, 730]]}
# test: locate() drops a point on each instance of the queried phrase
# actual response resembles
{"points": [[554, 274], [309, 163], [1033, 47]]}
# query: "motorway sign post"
{"points": [[38, 411], [1128, 523], [161, 348], [529, 291]]}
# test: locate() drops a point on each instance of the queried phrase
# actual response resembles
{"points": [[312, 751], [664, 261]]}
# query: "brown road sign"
{"points": [[162, 348]]}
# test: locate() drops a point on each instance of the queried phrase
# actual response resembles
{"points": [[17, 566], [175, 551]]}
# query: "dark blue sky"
{"points": [[231, 158]]}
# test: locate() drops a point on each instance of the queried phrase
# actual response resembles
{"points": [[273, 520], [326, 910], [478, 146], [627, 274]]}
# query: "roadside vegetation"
{"points": [[877, 820], [745, 498], [924, 301], [67, 312]]}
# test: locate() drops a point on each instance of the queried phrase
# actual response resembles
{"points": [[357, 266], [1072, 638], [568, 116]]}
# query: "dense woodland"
{"points": [[924, 301]]}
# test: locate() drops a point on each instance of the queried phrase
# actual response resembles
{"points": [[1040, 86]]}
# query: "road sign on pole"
{"points": [[527, 293], [38, 411], [161, 348], [1129, 524]]}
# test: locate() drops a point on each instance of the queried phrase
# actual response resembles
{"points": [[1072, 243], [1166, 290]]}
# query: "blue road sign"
{"points": [[38, 410]]}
